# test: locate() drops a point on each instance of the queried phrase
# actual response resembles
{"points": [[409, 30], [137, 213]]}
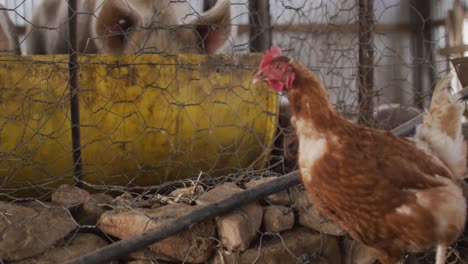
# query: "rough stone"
{"points": [[70, 196], [187, 194], [193, 245], [310, 217], [293, 246], [295, 193], [93, 208], [277, 218], [280, 198], [142, 262], [225, 257], [218, 193], [27, 231], [357, 253], [80, 245], [144, 255], [321, 260], [126, 200], [147, 256], [238, 228]]}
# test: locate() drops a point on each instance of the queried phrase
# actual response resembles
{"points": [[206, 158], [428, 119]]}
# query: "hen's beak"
{"points": [[259, 77]]}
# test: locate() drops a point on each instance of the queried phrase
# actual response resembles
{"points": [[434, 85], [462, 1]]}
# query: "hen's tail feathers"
{"points": [[441, 131]]}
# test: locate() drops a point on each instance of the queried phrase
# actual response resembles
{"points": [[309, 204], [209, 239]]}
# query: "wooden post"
{"points": [[74, 92], [423, 59], [260, 28], [366, 62]]}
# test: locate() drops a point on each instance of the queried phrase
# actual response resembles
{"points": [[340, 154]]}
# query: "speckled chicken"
{"points": [[392, 194]]}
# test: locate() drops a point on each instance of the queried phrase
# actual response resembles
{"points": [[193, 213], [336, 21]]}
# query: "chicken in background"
{"points": [[385, 191], [9, 43], [441, 132]]}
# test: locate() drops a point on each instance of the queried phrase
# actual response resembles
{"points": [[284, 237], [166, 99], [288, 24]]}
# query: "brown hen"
{"points": [[392, 194]]}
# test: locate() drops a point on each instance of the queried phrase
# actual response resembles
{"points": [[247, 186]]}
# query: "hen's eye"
{"points": [[277, 66]]}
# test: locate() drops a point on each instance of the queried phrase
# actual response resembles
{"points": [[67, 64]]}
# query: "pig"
{"points": [[9, 43], [122, 26]]}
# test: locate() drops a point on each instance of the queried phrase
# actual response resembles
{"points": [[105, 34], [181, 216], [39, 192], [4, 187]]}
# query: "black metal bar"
{"points": [[260, 29], [169, 228], [74, 92], [423, 75], [366, 62], [408, 128]]}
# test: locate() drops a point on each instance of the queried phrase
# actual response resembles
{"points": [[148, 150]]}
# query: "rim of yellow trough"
{"points": [[145, 119]]}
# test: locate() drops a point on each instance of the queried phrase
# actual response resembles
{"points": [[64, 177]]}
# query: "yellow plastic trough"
{"points": [[145, 119]]}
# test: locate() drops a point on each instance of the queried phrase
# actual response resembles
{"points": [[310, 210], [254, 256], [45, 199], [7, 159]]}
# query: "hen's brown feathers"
{"points": [[392, 194], [384, 190]]}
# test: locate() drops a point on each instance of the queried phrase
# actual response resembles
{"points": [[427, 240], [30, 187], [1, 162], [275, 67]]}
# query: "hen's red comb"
{"points": [[272, 53]]}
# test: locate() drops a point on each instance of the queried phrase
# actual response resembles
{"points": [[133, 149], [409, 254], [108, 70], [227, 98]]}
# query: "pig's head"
{"points": [[122, 26]]}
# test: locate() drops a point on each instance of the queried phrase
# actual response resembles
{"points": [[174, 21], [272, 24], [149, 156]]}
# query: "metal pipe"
{"points": [[174, 226], [74, 92]]}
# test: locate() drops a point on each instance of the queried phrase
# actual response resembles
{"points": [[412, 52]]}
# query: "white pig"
{"points": [[129, 26], [8, 38]]}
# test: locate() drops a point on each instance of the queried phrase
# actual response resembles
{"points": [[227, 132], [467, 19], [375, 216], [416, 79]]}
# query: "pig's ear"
{"points": [[113, 24], [214, 26]]}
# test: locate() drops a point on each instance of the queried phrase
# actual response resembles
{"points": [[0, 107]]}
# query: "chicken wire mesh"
{"points": [[152, 120]]}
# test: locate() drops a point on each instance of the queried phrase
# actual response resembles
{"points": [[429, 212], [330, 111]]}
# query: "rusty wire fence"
{"points": [[143, 97]]}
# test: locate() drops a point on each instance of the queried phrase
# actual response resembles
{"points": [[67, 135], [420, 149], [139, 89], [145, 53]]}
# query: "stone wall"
{"points": [[282, 228]]}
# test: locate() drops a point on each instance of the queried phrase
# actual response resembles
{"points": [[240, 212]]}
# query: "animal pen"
{"points": [[146, 135]]}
